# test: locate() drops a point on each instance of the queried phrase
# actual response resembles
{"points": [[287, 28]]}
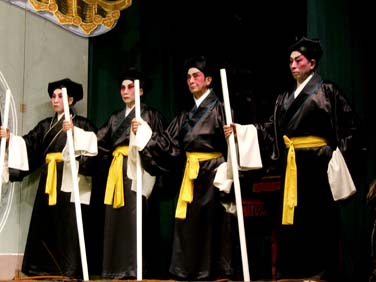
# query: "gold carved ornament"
{"points": [[88, 15]]}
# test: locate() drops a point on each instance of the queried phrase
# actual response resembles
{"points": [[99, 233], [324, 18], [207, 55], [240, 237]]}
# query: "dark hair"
{"points": [[132, 74], [200, 62], [74, 89], [310, 48]]}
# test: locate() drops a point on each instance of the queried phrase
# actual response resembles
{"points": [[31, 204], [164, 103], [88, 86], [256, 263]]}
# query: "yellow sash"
{"points": [[192, 168], [114, 188], [51, 181], [290, 196]]}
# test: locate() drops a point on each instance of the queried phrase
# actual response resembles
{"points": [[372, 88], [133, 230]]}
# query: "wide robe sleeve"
{"points": [[34, 146], [153, 121], [350, 138], [87, 160]]}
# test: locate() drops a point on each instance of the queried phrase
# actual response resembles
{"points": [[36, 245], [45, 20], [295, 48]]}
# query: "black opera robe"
{"points": [[120, 241], [52, 246], [309, 247], [202, 243]]}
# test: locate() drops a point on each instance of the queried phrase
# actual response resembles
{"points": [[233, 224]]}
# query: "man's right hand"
{"points": [[4, 132], [135, 124], [228, 129]]}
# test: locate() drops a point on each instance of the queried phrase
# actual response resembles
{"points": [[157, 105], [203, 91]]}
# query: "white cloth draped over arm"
{"points": [[15, 157], [85, 144], [248, 148], [249, 156], [142, 137], [137, 143], [340, 180]]}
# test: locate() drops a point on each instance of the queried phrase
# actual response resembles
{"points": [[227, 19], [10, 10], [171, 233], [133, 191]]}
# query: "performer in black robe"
{"points": [[120, 228], [315, 118], [203, 231], [52, 246]]}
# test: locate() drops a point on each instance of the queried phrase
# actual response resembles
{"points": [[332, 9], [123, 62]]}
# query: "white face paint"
{"points": [[127, 92], [197, 82], [300, 66], [57, 101]]}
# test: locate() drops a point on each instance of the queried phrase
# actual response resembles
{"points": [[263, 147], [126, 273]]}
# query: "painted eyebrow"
{"points": [[197, 73], [296, 58], [129, 85]]}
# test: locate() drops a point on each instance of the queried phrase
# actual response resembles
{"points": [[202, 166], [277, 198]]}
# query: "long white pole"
{"points": [[4, 139], [235, 173], [139, 188], [76, 194]]}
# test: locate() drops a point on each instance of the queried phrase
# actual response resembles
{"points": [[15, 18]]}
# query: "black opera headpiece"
{"points": [[133, 74], [201, 63], [74, 89], [310, 48]]}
